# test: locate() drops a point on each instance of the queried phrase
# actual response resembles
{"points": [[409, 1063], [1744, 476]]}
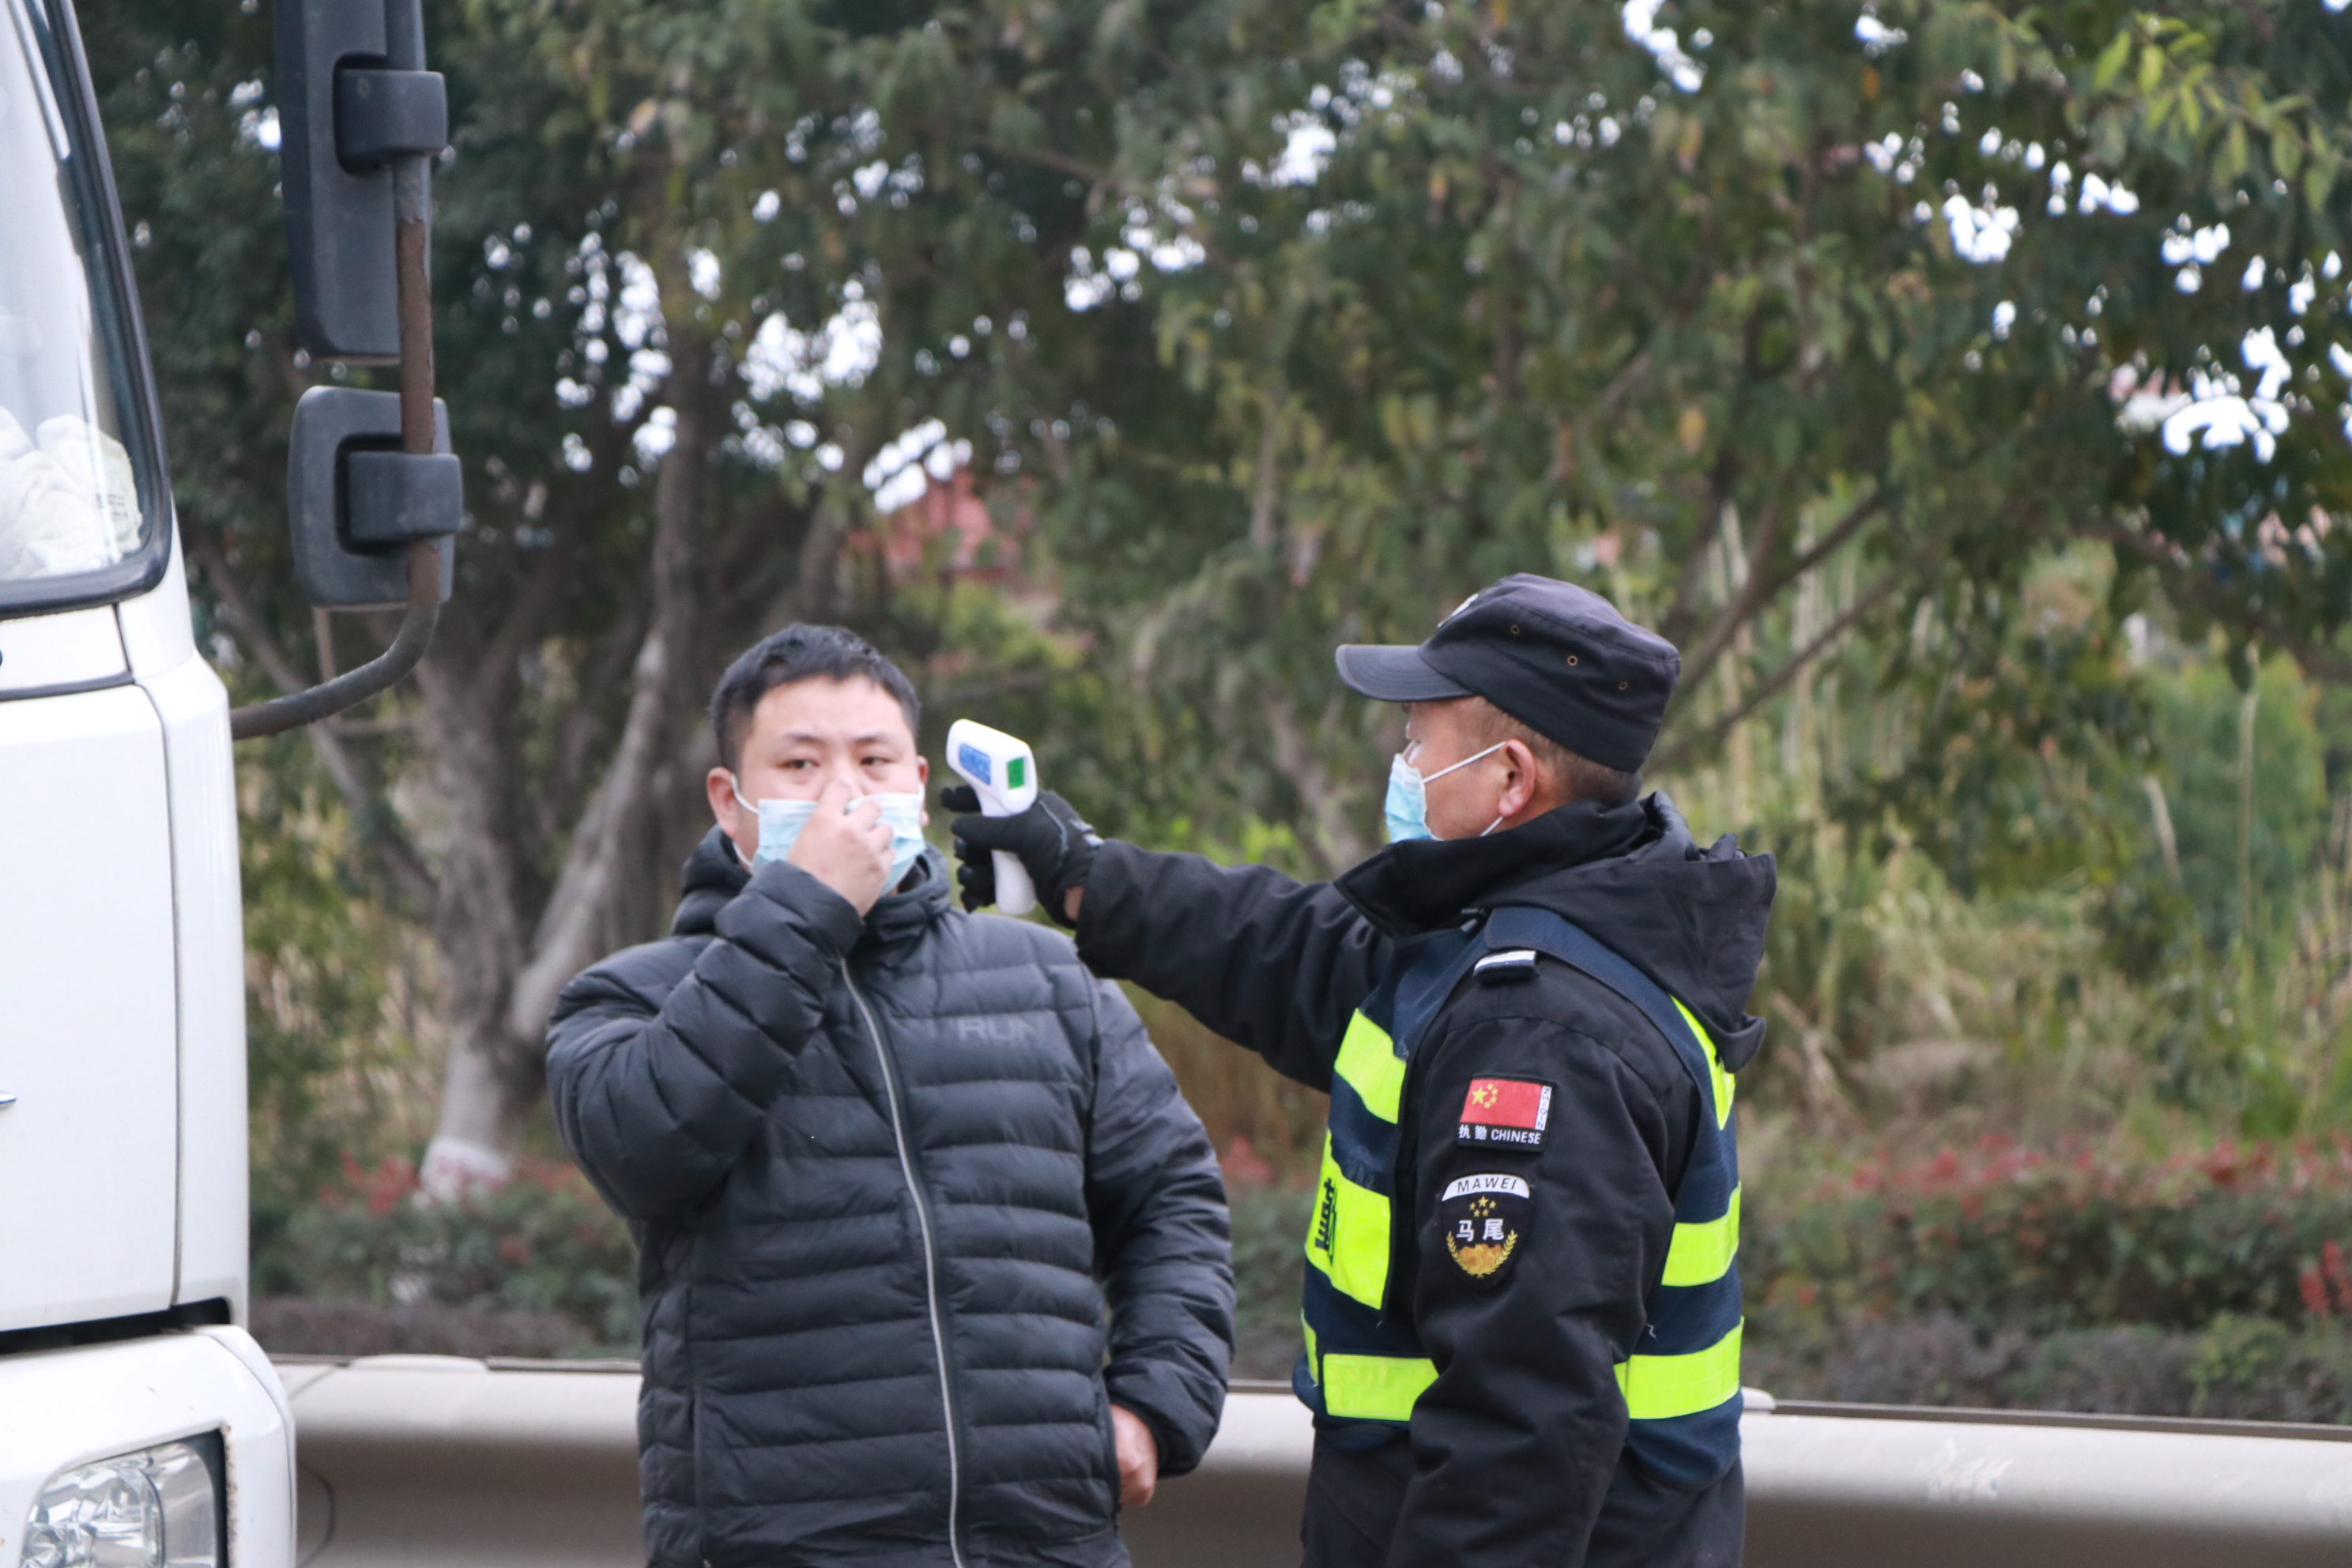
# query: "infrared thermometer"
{"points": [[1004, 773]]}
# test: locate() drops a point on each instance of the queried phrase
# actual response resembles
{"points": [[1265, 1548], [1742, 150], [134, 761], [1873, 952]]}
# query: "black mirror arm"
{"points": [[412, 193], [354, 687]]}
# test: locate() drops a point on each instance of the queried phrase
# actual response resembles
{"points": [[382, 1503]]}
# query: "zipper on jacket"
{"points": [[930, 1259]]}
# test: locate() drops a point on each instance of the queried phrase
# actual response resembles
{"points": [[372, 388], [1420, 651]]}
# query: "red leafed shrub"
{"points": [[2001, 1237], [381, 1189], [2327, 1283], [544, 1247], [1245, 1167]]}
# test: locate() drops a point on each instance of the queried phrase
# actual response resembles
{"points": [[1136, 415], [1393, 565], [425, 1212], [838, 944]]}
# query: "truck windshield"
{"points": [[71, 499]]}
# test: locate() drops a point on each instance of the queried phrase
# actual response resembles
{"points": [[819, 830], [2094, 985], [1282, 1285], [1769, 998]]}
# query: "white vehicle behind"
{"points": [[139, 1425]]}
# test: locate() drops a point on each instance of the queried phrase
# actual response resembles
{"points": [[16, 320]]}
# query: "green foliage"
{"points": [[542, 1244], [1274, 324], [2211, 1284], [1543, 309], [2200, 739], [1401, 303], [2246, 1369], [333, 1021]]}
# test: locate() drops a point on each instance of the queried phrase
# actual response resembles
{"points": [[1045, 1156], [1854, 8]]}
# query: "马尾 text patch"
{"points": [[1508, 1112], [1484, 1219]]}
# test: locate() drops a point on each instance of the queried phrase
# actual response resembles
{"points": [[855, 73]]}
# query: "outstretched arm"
{"points": [[658, 1093], [1272, 963]]}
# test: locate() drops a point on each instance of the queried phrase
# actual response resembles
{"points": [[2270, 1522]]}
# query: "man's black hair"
{"points": [[800, 653]]}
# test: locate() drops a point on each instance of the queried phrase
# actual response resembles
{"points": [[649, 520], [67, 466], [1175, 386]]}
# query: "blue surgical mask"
{"points": [[1407, 807], [904, 813], [781, 822]]}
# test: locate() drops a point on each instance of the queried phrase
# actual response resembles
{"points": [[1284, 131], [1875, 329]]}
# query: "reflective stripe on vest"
{"points": [[1374, 1387], [1682, 1387], [1702, 1251], [1682, 1393], [1698, 1286], [1356, 1366], [1718, 1080], [1661, 1387], [1371, 1066], [1348, 1238]]}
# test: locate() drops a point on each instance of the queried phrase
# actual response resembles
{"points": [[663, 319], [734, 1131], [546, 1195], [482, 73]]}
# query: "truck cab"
{"points": [[139, 1423]]}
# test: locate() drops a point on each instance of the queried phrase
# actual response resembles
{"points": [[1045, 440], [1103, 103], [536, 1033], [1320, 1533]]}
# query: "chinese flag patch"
{"points": [[1510, 1112]]}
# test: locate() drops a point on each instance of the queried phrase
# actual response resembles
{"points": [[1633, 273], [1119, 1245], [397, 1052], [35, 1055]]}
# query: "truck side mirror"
{"points": [[352, 97], [356, 499], [373, 493]]}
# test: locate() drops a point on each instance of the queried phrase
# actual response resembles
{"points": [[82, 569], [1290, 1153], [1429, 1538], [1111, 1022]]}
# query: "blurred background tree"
{"points": [[1961, 387]]}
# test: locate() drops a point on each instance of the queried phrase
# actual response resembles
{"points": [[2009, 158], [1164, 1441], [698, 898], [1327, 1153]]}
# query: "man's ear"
{"points": [[1527, 790], [719, 785]]}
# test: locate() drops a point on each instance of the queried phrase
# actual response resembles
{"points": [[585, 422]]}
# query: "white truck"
{"points": [[139, 1425]]}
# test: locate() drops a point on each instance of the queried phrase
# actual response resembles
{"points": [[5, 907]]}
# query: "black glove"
{"points": [[1050, 837]]}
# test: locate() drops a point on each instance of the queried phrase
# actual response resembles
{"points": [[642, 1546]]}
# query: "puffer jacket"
{"points": [[886, 1176]]}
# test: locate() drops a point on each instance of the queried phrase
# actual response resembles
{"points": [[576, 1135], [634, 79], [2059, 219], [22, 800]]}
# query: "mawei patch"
{"points": [[1485, 1220]]}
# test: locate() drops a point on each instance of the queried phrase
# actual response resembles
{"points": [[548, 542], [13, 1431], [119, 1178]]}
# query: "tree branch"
{"points": [[1331, 835], [1761, 590], [1630, 374], [1262, 488], [548, 575], [1827, 545], [539, 592], [1752, 597], [1043, 157], [1722, 479], [1772, 685]]}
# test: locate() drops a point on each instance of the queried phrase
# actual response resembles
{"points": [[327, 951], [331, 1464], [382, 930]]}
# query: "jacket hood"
{"points": [[715, 873], [1691, 917]]}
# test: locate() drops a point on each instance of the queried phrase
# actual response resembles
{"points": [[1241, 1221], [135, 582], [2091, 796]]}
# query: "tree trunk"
{"points": [[503, 986], [491, 1085]]}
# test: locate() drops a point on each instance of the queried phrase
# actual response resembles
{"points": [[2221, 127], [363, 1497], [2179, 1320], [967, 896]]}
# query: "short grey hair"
{"points": [[1579, 776]]}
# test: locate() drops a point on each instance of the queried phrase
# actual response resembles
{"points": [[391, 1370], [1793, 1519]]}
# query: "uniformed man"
{"points": [[1522, 1317]]}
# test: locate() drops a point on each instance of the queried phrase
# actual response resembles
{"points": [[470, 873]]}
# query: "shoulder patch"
{"points": [[1486, 1219], [1504, 1113]]}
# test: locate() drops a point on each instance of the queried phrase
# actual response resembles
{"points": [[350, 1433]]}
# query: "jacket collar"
{"points": [[1692, 917], [715, 873], [1430, 884], [900, 918]]}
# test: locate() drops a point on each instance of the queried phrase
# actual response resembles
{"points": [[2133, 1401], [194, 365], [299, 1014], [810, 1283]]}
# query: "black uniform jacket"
{"points": [[1516, 1451], [886, 1175]]}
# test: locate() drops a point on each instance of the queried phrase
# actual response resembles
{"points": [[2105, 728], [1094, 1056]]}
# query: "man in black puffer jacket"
{"points": [[888, 1165]]}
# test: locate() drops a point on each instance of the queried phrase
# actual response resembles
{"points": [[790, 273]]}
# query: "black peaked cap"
{"points": [[1557, 657]]}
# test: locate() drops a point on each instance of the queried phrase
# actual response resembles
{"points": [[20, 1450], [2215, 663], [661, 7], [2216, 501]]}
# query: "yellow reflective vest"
{"points": [[1362, 1360]]}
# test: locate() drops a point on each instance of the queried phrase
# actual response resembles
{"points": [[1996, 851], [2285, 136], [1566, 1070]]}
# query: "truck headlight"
{"points": [[159, 1508]]}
